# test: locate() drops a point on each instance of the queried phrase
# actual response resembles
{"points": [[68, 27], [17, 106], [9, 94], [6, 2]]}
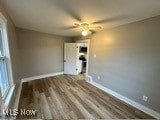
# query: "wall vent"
{"points": [[89, 79]]}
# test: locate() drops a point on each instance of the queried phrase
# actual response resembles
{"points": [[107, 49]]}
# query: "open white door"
{"points": [[70, 58]]}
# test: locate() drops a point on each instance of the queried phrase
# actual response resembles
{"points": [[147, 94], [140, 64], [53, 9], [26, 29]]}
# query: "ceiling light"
{"points": [[84, 32]]}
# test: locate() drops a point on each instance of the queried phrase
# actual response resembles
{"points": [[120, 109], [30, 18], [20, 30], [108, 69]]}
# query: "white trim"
{"points": [[8, 98], [82, 41], [8, 60], [86, 41], [126, 100], [18, 96], [88, 57], [30, 79], [41, 76], [2, 18]]}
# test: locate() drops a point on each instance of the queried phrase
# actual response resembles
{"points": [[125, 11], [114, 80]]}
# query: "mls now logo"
{"points": [[10, 112], [22, 112], [29, 113]]}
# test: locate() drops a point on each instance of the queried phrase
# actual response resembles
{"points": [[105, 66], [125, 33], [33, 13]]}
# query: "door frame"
{"points": [[88, 51]]}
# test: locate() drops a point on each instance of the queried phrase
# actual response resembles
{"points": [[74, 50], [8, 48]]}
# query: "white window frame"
{"points": [[3, 22]]}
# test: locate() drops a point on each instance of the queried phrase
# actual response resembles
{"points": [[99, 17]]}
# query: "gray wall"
{"points": [[13, 51], [128, 60], [12, 45], [40, 53]]}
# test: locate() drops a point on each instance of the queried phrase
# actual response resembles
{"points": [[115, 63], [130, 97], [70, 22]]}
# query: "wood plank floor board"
{"points": [[70, 97], [104, 98], [111, 101], [96, 98], [96, 105]]}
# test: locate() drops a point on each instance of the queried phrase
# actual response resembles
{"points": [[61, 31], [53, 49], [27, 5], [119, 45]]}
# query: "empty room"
{"points": [[79, 59]]}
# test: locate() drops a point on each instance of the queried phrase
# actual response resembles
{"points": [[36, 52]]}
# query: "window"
{"points": [[4, 83]]}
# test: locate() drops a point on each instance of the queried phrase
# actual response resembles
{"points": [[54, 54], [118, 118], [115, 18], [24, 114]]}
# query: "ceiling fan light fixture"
{"points": [[84, 32]]}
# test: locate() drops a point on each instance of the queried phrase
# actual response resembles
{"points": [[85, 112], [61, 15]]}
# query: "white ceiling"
{"points": [[54, 16]]}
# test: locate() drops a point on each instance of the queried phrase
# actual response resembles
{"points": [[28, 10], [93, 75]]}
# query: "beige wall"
{"points": [[128, 60], [40, 53]]}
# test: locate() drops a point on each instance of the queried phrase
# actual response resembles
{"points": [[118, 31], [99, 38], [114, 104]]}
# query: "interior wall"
{"points": [[12, 44], [12, 37], [40, 53], [127, 60]]}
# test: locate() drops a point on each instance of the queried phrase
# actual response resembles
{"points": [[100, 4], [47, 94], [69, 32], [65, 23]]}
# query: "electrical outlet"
{"points": [[145, 98], [99, 77]]}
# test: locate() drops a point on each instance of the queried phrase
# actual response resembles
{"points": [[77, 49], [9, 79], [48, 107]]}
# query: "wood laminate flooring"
{"points": [[70, 97]]}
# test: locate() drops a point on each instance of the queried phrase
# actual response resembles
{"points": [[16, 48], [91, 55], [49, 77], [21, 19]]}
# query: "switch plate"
{"points": [[98, 77], [145, 98], [95, 56]]}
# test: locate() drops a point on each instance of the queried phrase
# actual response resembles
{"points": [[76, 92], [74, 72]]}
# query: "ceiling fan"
{"points": [[86, 28]]}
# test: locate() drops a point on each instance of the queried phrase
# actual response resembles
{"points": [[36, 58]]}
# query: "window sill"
{"points": [[8, 98]]}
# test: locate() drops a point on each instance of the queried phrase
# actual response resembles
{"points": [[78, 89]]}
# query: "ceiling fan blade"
{"points": [[62, 4], [113, 19], [97, 27], [92, 31], [68, 28], [76, 24]]}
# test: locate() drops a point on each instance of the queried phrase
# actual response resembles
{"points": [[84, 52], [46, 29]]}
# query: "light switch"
{"points": [[145, 98], [99, 77], [95, 55]]}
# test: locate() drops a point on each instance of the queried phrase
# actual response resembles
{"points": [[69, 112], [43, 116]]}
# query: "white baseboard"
{"points": [[30, 79], [126, 100], [18, 96], [41, 76]]}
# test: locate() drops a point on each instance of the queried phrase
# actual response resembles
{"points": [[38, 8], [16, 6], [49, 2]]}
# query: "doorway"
{"points": [[83, 57], [76, 57]]}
